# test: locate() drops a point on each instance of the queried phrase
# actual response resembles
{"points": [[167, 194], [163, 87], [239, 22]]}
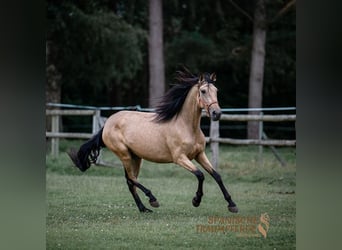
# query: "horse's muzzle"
{"points": [[215, 114]]}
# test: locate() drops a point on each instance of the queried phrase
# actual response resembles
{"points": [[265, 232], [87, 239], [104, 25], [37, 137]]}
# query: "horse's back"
{"points": [[138, 133]]}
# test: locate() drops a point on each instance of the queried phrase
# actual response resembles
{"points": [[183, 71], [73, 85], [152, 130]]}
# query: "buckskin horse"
{"points": [[171, 134]]}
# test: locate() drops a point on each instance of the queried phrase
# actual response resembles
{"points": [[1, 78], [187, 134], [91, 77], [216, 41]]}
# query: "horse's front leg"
{"points": [[202, 159], [187, 164]]}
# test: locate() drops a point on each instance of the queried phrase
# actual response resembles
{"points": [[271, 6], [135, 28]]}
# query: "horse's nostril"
{"points": [[216, 115]]}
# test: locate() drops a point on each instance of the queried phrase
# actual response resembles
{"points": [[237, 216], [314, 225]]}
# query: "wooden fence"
{"points": [[55, 134], [213, 138]]}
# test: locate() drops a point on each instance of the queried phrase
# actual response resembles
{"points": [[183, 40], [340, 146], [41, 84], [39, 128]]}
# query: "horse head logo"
{"points": [[264, 224]]}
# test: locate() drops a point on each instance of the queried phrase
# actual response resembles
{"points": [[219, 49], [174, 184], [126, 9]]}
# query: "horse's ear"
{"points": [[200, 78], [213, 77]]}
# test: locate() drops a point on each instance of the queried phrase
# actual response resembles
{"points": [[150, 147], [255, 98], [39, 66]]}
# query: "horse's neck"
{"points": [[191, 112]]}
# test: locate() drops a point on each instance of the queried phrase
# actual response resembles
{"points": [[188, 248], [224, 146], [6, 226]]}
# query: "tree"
{"points": [[98, 55], [256, 80], [53, 77], [53, 80], [257, 66], [156, 56]]}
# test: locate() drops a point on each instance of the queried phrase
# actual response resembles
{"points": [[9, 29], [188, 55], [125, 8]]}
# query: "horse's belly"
{"points": [[150, 147], [147, 140]]}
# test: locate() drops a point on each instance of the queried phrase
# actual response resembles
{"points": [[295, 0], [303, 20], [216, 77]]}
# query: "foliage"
{"points": [[101, 49], [94, 46], [191, 49]]}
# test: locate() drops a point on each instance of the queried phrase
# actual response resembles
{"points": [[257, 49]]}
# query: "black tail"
{"points": [[88, 152]]}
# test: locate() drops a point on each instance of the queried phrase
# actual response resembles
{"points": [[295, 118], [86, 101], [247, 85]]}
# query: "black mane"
{"points": [[171, 103]]}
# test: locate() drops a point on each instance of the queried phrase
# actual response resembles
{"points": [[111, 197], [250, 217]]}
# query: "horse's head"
{"points": [[207, 95]]}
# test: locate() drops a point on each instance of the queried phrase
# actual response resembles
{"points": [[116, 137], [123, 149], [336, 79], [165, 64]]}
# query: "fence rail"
{"points": [[264, 118], [252, 142], [55, 134], [70, 112], [69, 135], [213, 138]]}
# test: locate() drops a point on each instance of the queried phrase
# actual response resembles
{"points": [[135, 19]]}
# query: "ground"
{"points": [[95, 209]]}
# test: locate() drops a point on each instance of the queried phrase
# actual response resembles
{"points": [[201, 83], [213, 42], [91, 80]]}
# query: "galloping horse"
{"points": [[171, 134]]}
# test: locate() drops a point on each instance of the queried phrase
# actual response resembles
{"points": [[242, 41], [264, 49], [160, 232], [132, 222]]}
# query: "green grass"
{"points": [[95, 210]]}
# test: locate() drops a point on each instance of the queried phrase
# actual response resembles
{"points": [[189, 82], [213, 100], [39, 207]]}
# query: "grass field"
{"points": [[95, 210]]}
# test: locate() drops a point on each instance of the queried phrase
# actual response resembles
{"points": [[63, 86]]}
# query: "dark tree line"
{"points": [[98, 50]]}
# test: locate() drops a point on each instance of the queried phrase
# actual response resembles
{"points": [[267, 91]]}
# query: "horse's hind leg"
{"points": [[132, 167], [135, 195]]}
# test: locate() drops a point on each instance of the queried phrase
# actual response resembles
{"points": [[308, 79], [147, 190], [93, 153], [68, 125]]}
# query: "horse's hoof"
{"points": [[233, 209], [195, 202], [154, 203]]}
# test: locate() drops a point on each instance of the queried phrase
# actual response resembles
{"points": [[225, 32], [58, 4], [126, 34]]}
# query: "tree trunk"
{"points": [[156, 56], [257, 66], [53, 81]]}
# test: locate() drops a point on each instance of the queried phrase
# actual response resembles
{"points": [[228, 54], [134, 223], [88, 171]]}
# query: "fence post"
{"points": [[214, 145], [261, 129], [96, 121], [55, 141]]}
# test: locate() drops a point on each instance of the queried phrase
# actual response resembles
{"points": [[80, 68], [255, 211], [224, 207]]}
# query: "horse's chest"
{"points": [[190, 146], [193, 148], [196, 150]]}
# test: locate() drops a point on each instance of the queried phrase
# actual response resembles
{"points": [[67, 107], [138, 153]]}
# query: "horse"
{"points": [[171, 134]]}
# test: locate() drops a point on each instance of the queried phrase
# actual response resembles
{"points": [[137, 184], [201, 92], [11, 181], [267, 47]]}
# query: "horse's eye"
{"points": [[203, 91]]}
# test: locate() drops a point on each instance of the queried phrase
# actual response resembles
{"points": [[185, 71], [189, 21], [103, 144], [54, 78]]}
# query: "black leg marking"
{"points": [[136, 197], [231, 204], [153, 200], [196, 201]]}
